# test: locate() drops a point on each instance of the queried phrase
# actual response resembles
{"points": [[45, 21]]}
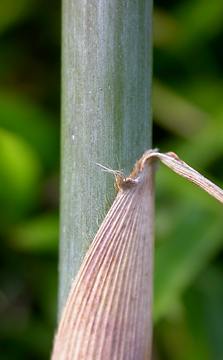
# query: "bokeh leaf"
{"points": [[199, 20], [206, 298], [20, 171], [196, 237], [30, 122], [11, 12], [39, 234]]}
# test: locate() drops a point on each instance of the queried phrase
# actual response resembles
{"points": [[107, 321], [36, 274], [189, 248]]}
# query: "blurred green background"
{"points": [[188, 119]]}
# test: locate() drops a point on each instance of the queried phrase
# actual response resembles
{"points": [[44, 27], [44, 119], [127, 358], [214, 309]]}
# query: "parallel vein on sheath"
{"points": [[125, 290], [112, 272], [116, 279], [106, 268], [108, 309], [101, 262], [85, 268]]}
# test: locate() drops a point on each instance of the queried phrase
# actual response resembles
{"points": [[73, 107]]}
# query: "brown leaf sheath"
{"points": [[108, 312]]}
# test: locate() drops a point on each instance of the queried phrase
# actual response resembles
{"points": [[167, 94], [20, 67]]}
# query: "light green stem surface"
{"points": [[106, 113]]}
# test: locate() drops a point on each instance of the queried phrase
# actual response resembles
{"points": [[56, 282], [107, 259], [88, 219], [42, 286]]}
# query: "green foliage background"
{"points": [[188, 119]]}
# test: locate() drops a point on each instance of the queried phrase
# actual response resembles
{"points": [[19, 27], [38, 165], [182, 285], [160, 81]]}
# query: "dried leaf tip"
{"points": [[180, 167]]}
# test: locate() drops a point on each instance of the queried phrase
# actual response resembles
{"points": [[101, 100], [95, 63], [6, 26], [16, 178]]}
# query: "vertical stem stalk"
{"points": [[106, 113]]}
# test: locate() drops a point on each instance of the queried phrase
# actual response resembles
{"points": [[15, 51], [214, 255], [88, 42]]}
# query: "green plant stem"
{"points": [[106, 113]]}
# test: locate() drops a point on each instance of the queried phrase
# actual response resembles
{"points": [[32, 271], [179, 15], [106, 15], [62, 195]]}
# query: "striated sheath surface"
{"points": [[108, 312]]}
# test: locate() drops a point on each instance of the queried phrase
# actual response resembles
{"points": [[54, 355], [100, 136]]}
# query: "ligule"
{"points": [[108, 312]]}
